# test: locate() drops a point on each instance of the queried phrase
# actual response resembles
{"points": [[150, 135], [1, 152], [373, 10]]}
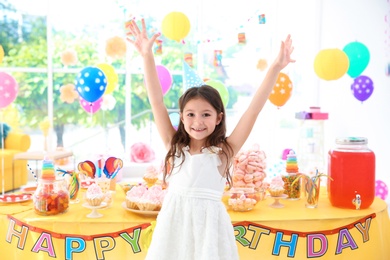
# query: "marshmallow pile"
{"points": [[249, 169]]}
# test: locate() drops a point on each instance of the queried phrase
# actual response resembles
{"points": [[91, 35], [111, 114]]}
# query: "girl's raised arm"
{"points": [[248, 119], [143, 45]]}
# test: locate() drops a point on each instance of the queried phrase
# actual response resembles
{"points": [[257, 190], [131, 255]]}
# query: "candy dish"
{"points": [[15, 198], [276, 203], [94, 213], [141, 212]]}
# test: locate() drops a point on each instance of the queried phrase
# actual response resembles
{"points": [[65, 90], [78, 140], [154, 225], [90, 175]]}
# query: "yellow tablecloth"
{"points": [[264, 233]]}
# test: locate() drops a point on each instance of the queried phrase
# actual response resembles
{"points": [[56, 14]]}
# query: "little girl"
{"points": [[193, 222]]}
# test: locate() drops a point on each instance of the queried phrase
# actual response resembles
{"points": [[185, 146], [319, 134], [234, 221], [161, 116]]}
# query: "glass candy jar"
{"points": [[351, 166], [51, 197]]}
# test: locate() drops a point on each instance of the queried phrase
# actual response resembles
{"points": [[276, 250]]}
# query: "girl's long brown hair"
{"points": [[218, 138]]}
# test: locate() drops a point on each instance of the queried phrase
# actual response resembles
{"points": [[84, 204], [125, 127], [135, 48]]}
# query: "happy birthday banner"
{"points": [[250, 237]]}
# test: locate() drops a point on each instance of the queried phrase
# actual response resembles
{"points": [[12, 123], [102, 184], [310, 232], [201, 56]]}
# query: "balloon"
{"points": [[8, 89], [112, 77], [175, 119], [175, 26], [281, 92], [362, 88], [223, 91], [91, 107], [1, 54], [108, 103], [381, 189], [359, 56], [331, 64], [164, 77], [91, 83]]}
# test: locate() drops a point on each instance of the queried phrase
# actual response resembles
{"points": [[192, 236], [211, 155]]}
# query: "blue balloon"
{"points": [[175, 118], [91, 83]]}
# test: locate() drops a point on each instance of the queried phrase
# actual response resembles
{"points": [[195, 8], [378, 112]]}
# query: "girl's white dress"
{"points": [[193, 222]]}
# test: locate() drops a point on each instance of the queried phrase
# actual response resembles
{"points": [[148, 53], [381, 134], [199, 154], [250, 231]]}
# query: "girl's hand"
{"points": [[141, 42], [283, 58]]}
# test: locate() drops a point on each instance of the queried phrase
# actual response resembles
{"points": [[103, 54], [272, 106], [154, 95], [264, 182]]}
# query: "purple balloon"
{"points": [[362, 88], [91, 107], [165, 78]]}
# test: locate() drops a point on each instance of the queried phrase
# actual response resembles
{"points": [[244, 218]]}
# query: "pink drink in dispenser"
{"points": [[351, 165]]}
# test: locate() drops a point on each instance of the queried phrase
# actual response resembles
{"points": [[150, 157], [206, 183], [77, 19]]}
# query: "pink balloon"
{"points": [[165, 78], [91, 107], [8, 89], [381, 189]]}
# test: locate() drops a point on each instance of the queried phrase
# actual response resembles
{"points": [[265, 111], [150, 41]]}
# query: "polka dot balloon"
{"points": [[381, 189]]}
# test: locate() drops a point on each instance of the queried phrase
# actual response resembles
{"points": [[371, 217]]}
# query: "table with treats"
{"points": [[288, 232]]}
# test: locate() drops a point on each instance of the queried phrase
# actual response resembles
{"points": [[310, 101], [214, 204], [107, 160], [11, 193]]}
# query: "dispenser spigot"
{"points": [[357, 201]]}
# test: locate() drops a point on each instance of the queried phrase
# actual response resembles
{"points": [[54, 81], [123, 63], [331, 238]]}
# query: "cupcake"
{"points": [[152, 199], [94, 195], [151, 175], [134, 195], [276, 187]]}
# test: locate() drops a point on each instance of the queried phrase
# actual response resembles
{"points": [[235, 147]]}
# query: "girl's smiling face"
{"points": [[199, 119]]}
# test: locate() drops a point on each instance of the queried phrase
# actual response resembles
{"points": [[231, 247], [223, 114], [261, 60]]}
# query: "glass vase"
{"points": [[312, 192]]}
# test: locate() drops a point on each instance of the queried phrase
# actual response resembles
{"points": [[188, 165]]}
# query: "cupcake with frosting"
{"points": [[94, 195], [276, 187], [151, 175], [152, 199], [134, 195]]}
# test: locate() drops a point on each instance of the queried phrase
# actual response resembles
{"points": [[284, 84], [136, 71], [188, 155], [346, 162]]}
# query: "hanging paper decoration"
{"points": [[111, 75], [91, 107], [68, 93], [331, 64], [1, 54], [8, 89], [223, 91], [69, 57], [191, 79], [188, 59], [91, 83], [241, 38], [281, 92], [362, 88], [176, 26], [158, 48], [359, 57], [165, 78], [116, 47], [217, 58], [262, 64], [262, 19]]}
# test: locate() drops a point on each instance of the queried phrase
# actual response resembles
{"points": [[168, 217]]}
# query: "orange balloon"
{"points": [[281, 92]]}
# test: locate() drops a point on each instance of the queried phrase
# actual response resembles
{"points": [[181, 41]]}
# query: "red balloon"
{"points": [[8, 89]]}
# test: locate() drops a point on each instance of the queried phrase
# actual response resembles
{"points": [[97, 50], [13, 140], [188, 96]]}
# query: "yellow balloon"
{"points": [[112, 77], [1, 54], [331, 64], [175, 26]]}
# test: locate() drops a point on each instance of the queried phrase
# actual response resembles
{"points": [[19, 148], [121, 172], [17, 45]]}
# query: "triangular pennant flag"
{"points": [[191, 79]]}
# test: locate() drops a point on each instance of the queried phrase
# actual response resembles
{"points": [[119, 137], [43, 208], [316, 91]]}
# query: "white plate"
{"points": [[15, 198], [141, 212]]}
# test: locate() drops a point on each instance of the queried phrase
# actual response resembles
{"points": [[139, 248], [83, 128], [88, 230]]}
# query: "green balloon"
{"points": [[359, 56], [223, 91]]}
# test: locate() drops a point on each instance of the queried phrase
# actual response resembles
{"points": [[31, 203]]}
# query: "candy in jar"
{"points": [[351, 166]]}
